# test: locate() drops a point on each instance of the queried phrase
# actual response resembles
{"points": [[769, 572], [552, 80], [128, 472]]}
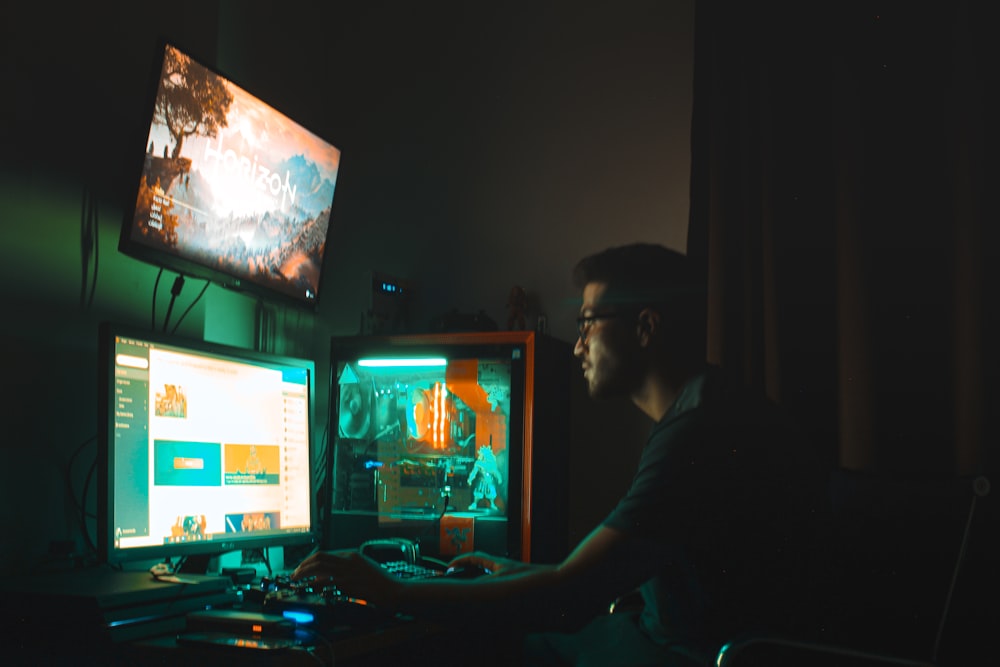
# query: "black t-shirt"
{"points": [[727, 497]]}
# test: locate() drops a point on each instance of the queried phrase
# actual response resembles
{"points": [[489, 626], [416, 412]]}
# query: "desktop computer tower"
{"points": [[456, 441]]}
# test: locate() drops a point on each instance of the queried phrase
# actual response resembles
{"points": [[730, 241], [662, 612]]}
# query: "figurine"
{"points": [[517, 304], [486, 472]]}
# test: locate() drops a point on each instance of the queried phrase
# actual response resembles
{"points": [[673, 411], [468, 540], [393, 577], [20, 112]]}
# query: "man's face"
{"points": [[607, 346]]}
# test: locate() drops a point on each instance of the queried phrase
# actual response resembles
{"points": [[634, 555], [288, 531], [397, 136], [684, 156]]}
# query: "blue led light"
{"points": [[300, 617], [391, 288]]}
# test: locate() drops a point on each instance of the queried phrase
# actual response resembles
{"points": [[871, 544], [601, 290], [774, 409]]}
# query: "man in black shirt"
{"points": [[715, 530]]}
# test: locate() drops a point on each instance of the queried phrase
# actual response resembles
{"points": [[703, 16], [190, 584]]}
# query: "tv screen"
{"points": [[230, 189], [203, 448]]}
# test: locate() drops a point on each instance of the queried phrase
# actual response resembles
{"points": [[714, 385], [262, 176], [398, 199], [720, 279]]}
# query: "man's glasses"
{"points": [[584, 322]]}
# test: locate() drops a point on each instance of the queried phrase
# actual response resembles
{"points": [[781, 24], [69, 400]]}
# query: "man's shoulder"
{"points": [[724, 411], [713, 393]]}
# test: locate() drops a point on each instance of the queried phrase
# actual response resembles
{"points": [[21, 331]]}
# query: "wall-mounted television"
{"points": [[202, 448], [229, 189]]}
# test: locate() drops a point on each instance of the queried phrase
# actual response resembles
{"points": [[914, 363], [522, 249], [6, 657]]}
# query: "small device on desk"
{"points": [[319, 605], [391, 549], [237, 622], [225, 640], [327, 606], [401, 557], [238, 630]]}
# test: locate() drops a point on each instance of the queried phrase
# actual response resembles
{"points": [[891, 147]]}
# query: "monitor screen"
{"points": [[428, 441], [203, 448], [230, 189]]}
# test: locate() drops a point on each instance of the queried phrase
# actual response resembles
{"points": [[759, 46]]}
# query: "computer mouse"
{"points": [[466, 572]]}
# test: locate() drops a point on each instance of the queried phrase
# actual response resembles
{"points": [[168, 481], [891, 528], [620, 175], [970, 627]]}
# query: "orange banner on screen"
{"points": [[185, 463]]}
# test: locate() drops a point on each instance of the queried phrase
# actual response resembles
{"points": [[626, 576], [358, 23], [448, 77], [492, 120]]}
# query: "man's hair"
{"points": [[642, 275]]}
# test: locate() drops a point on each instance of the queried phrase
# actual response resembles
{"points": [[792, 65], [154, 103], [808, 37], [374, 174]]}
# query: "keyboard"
{"points": [[406, 570]]}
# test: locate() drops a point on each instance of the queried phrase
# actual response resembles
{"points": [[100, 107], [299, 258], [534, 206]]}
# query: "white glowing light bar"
{"points": [[428, 362]]}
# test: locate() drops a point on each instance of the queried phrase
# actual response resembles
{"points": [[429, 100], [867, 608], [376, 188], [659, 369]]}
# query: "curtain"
{"points": [[839, 209]]}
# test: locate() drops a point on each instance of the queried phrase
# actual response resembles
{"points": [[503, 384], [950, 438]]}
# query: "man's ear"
{"points": [[648, 325]]}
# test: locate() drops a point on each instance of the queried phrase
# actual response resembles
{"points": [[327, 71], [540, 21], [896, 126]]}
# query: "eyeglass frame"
{"points": [[585, 322]]}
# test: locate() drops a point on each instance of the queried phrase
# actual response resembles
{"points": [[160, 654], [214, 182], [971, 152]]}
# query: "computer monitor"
{"points": [[202, 448], [438, 438], [228, 188]]}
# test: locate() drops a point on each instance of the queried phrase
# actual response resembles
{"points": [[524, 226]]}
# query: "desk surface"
{"points": [[102, 616], [394, 643]]}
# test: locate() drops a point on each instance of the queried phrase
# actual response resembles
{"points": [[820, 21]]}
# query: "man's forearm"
{"points": [[492, 594]]}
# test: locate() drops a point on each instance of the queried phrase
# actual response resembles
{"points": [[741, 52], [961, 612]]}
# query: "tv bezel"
{"points": [[185, 266], [107, 553]]}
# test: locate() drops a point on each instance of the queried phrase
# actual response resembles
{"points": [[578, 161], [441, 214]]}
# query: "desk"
{"points": [[395, 643], [102, 616]]}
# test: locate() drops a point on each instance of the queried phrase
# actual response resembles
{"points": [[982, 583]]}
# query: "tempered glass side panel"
{"points": [[425, 441]]}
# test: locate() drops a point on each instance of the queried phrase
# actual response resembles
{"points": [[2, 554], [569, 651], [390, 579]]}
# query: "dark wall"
{"points": [[483, 146]]}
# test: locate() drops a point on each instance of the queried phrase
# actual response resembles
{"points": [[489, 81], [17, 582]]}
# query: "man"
{"points": [[714, 531]]}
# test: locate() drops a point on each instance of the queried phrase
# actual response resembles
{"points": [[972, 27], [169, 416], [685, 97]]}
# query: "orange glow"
{"points": [[437, 440]]}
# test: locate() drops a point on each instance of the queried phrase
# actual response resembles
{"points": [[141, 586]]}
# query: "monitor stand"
{"points": [[195, 564]]}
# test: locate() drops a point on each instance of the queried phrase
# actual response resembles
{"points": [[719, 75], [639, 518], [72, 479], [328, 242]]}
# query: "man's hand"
{"points": [[353, 574], [494, 564]]}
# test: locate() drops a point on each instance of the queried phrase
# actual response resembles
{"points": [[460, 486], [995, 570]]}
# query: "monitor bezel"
{"points": [[185, 266], [107, 553]]}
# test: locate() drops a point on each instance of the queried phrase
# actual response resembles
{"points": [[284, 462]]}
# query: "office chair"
{"points": [[780, 652], [773, 651]]}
